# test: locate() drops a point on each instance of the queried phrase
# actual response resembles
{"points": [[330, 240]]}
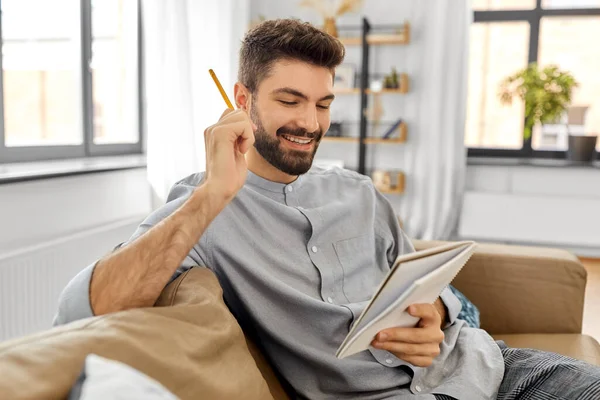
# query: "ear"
{"points": [[241, 95]]}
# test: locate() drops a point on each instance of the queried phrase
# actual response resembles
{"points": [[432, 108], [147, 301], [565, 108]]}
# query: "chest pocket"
{"points": [[362, 275]]}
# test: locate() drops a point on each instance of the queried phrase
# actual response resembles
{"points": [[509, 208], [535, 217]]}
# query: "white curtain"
{"points": [[182, 40], [436, 158]]}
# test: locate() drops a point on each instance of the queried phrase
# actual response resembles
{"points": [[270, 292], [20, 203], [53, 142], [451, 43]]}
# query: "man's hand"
{"points": [[226, 144], [420, 345]]}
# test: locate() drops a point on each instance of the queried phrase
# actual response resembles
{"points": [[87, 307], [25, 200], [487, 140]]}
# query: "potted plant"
{"points": [[547, 93], [330, 10]]}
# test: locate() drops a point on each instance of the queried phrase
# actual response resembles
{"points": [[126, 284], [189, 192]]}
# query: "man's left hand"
{"points": [[420, 345]]}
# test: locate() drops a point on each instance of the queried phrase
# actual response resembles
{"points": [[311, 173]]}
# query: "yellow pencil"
{"points": [[212, 73]]}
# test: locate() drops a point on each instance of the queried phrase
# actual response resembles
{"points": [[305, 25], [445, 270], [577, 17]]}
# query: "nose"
{"points": [[308, 120]]}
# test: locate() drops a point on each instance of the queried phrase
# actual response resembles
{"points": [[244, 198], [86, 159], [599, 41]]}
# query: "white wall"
{"points": [[545, 206], [51, 229], [382, 59], [36, 211]]}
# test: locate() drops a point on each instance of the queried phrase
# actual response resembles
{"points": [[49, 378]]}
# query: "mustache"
{"points": [[299, 132]]}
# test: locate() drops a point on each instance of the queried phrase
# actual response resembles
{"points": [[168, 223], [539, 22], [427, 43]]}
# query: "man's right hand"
{"points": [[226, 143]]}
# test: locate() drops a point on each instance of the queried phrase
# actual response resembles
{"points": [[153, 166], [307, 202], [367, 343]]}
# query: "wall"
{"points": [[535, 205], [51, 229], [546, 206], [382, 59], [36, 211]]}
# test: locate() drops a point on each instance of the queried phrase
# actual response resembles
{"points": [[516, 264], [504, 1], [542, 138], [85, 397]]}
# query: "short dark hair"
{"points": [[281, 39]]}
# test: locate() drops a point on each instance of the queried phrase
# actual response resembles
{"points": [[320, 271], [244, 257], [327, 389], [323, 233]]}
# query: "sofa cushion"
{"points": [[194, 347], [581, 347]]}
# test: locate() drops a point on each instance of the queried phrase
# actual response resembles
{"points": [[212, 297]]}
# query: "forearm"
{"points": [[135, 275]]}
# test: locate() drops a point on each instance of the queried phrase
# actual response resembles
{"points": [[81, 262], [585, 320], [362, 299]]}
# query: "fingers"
{"points": [[237, 115], [230, 132], [411, 335], [226, 112], [427, 313], [247, 139], [404, 350]]}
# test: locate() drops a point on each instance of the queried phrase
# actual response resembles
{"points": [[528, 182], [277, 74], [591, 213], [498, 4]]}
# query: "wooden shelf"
{"points": [[367, 140], [400, 185], [403, 89], [374, 140], [398, 190], [401, 38]]}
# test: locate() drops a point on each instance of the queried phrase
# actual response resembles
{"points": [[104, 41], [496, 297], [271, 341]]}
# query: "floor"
{"points": [[591, 314]]}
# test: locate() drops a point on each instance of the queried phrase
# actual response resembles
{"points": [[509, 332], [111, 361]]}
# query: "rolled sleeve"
{"points": [[453, 305], [74, 301]]}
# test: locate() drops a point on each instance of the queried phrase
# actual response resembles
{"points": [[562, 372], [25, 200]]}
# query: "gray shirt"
{"points": [[298, 263]]}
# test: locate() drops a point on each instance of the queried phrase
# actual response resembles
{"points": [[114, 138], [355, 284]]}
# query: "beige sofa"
{"points": [[528, 297]]}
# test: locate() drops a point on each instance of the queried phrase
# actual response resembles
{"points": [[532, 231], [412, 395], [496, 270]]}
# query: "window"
{"points": [[507, 35], [70, 79]]}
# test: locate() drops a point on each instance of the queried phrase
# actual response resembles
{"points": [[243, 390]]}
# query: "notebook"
{"points": [[415, 278]]}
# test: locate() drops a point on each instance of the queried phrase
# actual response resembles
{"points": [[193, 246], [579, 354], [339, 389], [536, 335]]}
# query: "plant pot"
{"points": [[581, 148], [330, 27]]}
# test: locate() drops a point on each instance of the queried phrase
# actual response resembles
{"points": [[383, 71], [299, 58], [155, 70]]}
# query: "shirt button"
{"points": [[418, 388], [314, 249], [289, 189], [389, 360], [330, 300]]}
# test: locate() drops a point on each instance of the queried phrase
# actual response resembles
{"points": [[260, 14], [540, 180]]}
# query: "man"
{"points": [[299, 251]]}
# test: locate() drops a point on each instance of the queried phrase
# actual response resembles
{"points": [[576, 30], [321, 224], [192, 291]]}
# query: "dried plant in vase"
{"points": [[330, 10]]}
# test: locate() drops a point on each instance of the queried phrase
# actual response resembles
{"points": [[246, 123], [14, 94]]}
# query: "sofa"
{"points": [[189, 342]]}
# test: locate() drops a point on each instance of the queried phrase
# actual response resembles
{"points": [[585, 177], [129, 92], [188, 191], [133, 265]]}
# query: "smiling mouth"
{"points": [[297, 140]]}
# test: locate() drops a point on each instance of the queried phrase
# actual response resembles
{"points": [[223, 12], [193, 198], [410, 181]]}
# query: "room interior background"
{"points": [[53, 228]]}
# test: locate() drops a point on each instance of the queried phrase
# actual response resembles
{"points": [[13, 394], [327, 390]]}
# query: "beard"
{"points": [[291, 162]]}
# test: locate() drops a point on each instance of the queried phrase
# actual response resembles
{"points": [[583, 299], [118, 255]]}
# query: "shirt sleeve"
{"points": [[74, 301], [453, 306], [388, 224]]}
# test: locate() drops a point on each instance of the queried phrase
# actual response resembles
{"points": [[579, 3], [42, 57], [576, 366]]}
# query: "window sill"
{"points": [[531, 162], [29, 171]]}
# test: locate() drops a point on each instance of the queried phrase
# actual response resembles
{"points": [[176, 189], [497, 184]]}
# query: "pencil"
{"points": [[212, 74]]}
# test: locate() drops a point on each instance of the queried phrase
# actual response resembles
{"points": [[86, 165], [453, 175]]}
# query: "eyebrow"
{"points": [[297, 93]]}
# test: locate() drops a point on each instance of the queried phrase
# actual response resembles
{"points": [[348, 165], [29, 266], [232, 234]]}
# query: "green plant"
{"points": [[391, 81], [547, 93]]}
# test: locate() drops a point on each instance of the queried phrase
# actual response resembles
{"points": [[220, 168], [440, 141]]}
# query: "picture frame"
{"points": [[345, 76]]}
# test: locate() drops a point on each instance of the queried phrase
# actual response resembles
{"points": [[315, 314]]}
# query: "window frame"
{"points": [[534, 18], [88, 148]]}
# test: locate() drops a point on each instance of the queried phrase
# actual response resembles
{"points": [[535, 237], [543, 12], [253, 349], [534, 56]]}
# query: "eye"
{"points": [[323, 107], [288, 103]]}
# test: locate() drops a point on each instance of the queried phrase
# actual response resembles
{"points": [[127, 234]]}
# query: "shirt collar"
{"points": [[255, 180]]}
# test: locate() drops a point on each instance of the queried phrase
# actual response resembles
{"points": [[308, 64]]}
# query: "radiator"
{"points": [[32, 278]]}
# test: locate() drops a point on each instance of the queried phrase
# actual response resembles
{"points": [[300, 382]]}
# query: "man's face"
{"points": [[291, 111]]}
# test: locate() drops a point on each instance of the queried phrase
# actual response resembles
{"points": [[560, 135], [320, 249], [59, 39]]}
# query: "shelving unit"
{"points": [[403, 130], [403, 89], [400, 35], [399, 189]]}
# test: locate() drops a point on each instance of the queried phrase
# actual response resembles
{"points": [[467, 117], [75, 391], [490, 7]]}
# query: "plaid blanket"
{"points": [[538, 375]]}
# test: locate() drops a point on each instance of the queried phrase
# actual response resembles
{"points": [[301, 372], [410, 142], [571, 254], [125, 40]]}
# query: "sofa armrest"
{"points": [[523, 289]]}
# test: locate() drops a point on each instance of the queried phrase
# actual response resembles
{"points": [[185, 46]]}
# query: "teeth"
{"points": [[296, 140]]}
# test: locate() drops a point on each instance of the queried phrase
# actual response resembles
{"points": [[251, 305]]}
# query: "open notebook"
{"points": [[415, 278]]}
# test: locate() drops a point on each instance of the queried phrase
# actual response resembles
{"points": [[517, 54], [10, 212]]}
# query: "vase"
{"points": [[330, 27], [581, 148]]}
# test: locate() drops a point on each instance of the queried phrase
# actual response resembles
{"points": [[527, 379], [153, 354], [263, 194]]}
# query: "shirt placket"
{"points": [[315, 249]]}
